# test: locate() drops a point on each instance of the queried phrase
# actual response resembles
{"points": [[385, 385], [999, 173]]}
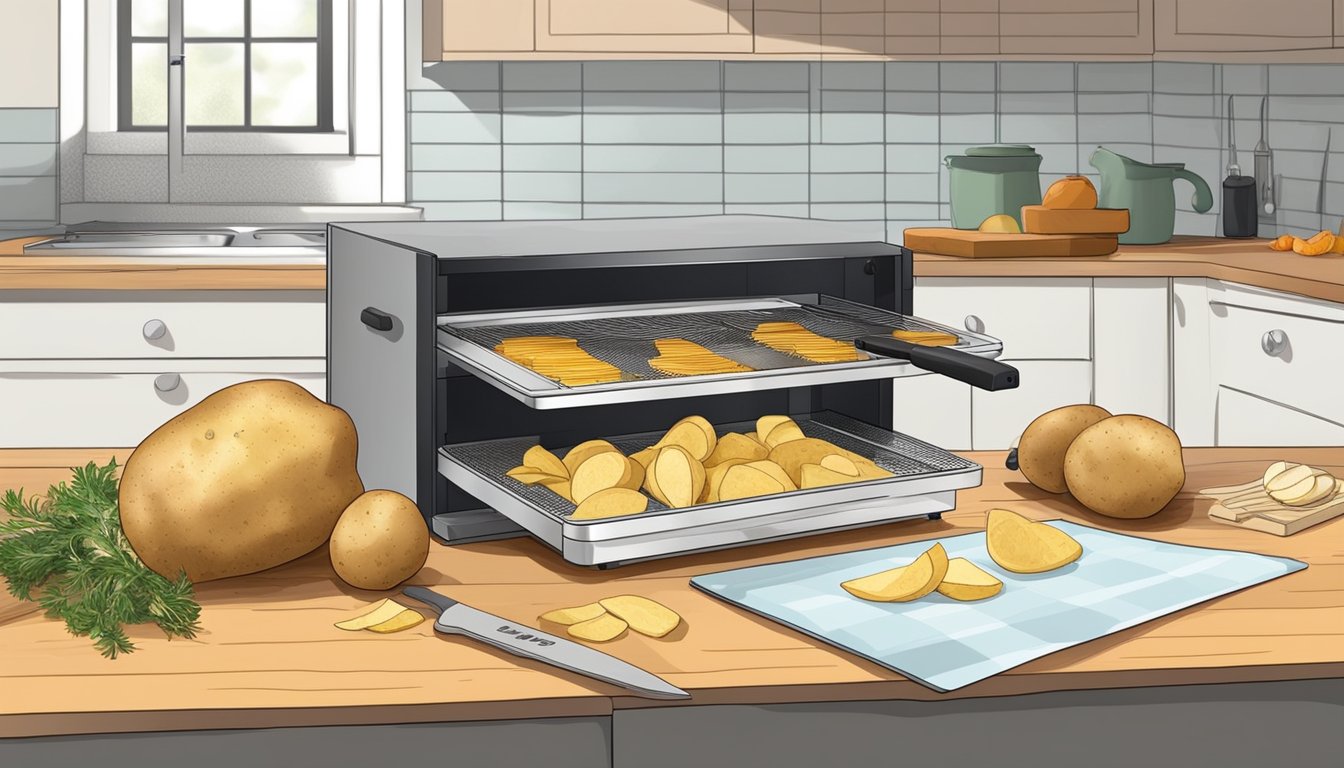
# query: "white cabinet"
{"points": [[1247, 420], [1074, 340], [30, 56], [103, 369]]}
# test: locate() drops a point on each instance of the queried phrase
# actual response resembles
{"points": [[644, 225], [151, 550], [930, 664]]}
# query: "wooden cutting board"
{"points": [[994, 245], [1248, 506], [1040, 220]]}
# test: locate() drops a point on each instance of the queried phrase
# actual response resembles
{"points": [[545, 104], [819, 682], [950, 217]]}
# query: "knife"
{"points": [[458, 619]]}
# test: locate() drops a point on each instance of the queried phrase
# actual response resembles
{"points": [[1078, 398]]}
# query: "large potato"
{"points": [[380, 541], [1126, 466], [251, 477], [1040, 452]]}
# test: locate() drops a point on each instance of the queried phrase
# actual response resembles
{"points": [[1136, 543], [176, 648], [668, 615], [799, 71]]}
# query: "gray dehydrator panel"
{"points": [[925, 480]]}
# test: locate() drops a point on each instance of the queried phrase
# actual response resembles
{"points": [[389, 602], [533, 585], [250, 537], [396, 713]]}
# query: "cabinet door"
{"points": [[1249, 420], [1076, 26], [454, 27], [933, 408], [998, 418], [650, 26], [1048, 318], [1243, 25]]}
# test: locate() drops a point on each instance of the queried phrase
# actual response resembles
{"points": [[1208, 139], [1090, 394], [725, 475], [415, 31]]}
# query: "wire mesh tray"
{"points": [[917, 468], [624, 336]]}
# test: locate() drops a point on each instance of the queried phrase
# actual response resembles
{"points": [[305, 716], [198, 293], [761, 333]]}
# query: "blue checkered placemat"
{"points": [[1119, 582]]}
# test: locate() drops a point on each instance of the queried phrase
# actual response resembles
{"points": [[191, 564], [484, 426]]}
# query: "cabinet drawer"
{"points": [[1247, 420], [1037, 319], [90, 409], [998, 418], [233, 326], [1289, 359]]}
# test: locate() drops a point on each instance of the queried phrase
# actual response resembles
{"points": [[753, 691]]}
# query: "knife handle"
{"points": [[429, 597]]}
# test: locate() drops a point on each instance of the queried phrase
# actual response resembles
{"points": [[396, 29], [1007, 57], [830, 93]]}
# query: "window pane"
{"points": [[284, 84], [149, 18], [284, 18], [212, 18], [214, 87], [149, 84]]}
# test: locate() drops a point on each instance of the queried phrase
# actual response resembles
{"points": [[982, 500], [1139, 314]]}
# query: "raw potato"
{"points": [[598, 473], [744, 482], [542, 459], [599, 630], [1320, 486], [674, 477], [1275, 469], [967, 581], [1289, 478], [380, 541], [793, 454], [1001, 223], [775, 471], [642, 614], [784, 433], [612, 502], [253, 476], [574, 615], [401, 622], [559, 487], [584, 451], [714, 479], [1040, 452], [530, 476], [900, 585], [1125, 467], [644, 457], [841, 464], [766, 423], [736, 446], [694, 433], [380, 612], [1026, 546], [817, 476]]}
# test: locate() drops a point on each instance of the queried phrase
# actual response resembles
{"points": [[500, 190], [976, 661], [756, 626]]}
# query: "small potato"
{"points": [[1126, 467], [380, 541], [1040, 452]]}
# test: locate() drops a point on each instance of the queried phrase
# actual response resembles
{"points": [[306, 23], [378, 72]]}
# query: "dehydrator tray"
{"points": [[624, 335], [924, 480]]}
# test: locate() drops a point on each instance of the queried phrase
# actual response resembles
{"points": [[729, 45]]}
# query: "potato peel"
{"points": [[399, 623], [378, 613]]}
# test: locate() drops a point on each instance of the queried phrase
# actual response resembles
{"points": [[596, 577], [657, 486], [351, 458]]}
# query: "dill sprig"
{"points": [[67, 552]]}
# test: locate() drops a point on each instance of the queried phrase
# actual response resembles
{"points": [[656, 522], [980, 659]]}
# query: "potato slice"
{"points": [[1322, 486], [793, 454], [775, 471], [598, 473], [531, 475], [766, 423], [903, 584], [784, 433], [735, 445], [611, 502], [1025, 546], [560, 487], [599, 630], [926, 338], [743, 482], [542, 459], [965, 580], [636, 479], [1276, 469], [840, 464], [817, 476], [714, 478], [645, 457], [584, 451], [575, 615], [402, 621], [1288, 478], [675, 477], [645, 616], [380, 611], [693, 433]]}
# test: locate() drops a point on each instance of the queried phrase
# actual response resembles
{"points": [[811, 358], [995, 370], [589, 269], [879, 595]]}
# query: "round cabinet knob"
{"points": [[167, 382], [974, 324], [154, 329], [1274, 342]]}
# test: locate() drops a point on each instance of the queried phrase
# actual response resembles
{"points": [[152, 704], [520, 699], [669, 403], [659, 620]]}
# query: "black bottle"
{"points": [[1239, 208]]}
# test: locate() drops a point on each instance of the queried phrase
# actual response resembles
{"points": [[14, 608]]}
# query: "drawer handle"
{"points": [[154, 330], [974, 324], [376, 319], [1274, 342], [167, 382]]}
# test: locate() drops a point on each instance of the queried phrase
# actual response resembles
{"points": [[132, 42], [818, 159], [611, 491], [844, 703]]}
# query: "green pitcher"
{"points": [[1147, 191]]}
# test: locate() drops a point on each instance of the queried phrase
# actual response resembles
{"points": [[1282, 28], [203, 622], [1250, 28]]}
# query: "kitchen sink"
{"points": [[97, 238], [276, 237], [101, 240]]}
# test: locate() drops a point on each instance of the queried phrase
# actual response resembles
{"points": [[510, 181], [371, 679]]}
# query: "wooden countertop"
{"points": [[1250, 262], [24, 272], [268, 654]]}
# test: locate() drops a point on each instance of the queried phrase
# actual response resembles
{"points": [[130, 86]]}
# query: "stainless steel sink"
{"points": [[105, 238], [282, 238], [102, 240]]}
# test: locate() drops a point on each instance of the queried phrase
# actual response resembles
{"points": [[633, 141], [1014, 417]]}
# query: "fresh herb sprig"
{"points": [[68, 553]]}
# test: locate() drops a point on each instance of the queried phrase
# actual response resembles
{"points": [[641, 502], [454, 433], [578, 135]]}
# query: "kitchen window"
{"points": [[250, 65]]}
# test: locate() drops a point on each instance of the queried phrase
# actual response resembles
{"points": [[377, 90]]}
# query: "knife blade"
{"points": [[520, 640]]}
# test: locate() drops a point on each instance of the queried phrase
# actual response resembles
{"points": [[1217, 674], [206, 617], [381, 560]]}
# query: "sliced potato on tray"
{"points": [[611, 502]]}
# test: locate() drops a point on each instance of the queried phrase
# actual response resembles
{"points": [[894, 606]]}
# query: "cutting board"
{"points": [[1119, 582], [1248, 506], [995, 245], [1040, 220]]}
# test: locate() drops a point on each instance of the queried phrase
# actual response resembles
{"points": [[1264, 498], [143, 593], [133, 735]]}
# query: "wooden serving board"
{"points": [[994, 245], [1037, 219], [1248, 506]]}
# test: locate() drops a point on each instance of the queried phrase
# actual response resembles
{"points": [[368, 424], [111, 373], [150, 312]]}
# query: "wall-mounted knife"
{"points": [[521, 640]]}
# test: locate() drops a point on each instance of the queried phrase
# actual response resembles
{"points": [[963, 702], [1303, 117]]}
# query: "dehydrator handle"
{"points": [[977, 371], [376, 319]]}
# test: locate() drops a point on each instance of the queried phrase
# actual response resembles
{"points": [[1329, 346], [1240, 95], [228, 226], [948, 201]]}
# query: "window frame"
{"points": [[325, 119]]}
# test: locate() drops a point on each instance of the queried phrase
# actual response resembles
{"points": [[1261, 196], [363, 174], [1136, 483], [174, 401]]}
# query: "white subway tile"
{"points": [[766, 128], [454, 101], [653, 157], [847, 158], [521, 128], [651, 76], [646, 210], [1115, 76], [653, 187], [793, 210], [533, 186], [28, 125], [454, 128], [765, 76], [656, 102], [543, 157], [966, 76], [742, 158], [452, 186], [28, 198], [912, 76], [477, 211], [515, 211], [464, 75], [542, 76], [455, 157], [765, 188], [912, 187], [28, 159], [1036, 76], [847, 188], [653, 129]]}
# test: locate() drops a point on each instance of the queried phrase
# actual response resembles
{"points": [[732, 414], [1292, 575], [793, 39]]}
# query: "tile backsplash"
{"points": [[29, 142], [860, 141]]}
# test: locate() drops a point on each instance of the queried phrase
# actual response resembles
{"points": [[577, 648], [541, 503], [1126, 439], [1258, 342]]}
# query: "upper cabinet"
{"points": [[1076, 27], [29, 55], [648, 26], [1247, 25]]}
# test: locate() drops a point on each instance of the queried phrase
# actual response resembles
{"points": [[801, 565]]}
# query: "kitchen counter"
{"points": [[1250, 262], [269, 656], [63, 272]]}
